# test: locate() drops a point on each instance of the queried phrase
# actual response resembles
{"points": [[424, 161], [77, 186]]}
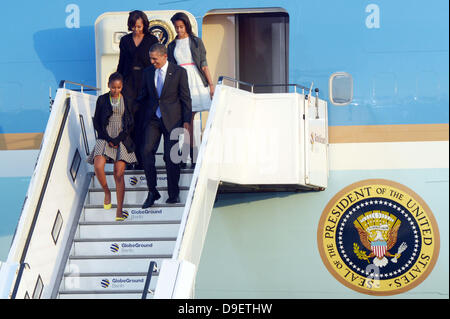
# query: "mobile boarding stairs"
{"points": [[67, 246]]}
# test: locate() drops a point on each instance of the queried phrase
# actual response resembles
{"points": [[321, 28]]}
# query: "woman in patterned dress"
{"points": [[113, 122], [188, 51]]}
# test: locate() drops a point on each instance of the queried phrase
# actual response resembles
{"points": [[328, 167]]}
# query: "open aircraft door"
{"points": [[110, 27]]}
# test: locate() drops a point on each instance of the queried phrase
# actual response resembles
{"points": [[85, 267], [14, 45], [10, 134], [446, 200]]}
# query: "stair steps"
{"points": [[110, 259]]}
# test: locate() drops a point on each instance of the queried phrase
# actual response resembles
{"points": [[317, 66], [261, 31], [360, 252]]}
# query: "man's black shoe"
{"points": [[173, 200], [151, 198]]}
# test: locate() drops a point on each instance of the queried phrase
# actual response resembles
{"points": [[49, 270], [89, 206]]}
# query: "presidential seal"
{"points": [[378, 237], [162, 31]]}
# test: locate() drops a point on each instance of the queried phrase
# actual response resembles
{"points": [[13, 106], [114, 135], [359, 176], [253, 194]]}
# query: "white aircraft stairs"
{"points": [[67, 246]]}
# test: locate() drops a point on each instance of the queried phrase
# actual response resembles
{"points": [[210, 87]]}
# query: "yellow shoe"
{"points": [[107, 206], [122, 218]]}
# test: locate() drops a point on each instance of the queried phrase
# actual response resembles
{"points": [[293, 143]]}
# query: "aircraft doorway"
{"points": [[250, 45]]}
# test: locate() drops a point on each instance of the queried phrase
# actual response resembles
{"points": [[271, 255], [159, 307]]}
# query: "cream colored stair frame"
{"points": [[240, 142]]}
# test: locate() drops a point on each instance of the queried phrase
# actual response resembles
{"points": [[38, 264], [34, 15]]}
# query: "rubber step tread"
{"points": [[95, 206], [125, 222], [137, 189], [103, 274], [121, 256], [100, 292], [160, 170], [89, 240]]}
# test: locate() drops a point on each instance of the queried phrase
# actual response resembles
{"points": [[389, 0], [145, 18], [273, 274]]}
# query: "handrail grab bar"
{"points": [[148, 279], [252, 85], [62, 85], [37, 209], [223, 77]]}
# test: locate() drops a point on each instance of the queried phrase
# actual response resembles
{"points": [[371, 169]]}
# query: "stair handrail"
{"points": [[62, 85], [37, 207], [223, 77], [148, 279], [168, 289], [21, 253], [253, 85]]}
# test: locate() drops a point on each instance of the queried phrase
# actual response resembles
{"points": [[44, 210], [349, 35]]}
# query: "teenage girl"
{"points": [[188, 51], [113, 122]]}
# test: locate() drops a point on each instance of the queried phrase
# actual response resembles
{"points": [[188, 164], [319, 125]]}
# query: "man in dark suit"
{"points": [[166, 101]]}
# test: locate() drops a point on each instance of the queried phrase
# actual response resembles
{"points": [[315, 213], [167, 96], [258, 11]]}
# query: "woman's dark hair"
{"points": [[116, 76], [181, 16], [136, 15]]}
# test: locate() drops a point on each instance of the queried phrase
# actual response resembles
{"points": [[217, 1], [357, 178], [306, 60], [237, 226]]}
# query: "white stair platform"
{"points": [[136, 179], [155, 213], [98, 286], [111, 264], [115, 282], [100, 294], [133, 196], [126, 229], [110, 259], [123, 248]]}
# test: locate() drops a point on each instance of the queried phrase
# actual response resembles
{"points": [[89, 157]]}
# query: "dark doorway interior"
{"points": [[263, 50]]}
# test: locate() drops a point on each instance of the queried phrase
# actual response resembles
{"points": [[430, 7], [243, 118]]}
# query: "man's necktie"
{"points": [[159, 87]]}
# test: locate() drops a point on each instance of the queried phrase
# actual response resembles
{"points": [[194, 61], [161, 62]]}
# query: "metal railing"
{"points": [[148, 279], [62, 85], [296, 86], [37, 209], [253, 86]]}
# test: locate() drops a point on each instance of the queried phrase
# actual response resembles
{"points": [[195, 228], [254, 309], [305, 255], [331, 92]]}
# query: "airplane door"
{"points": [[250, 45], [262, 50], [110, 27]]}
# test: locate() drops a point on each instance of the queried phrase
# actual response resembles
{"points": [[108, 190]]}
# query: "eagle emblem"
{"points": [[378, 232], [162, 31]]}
